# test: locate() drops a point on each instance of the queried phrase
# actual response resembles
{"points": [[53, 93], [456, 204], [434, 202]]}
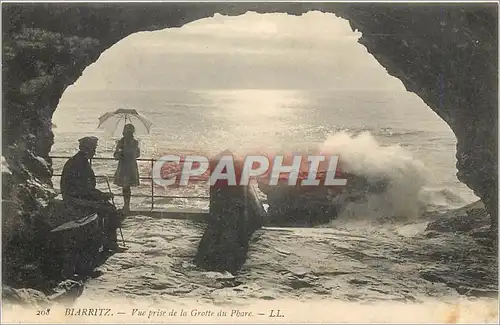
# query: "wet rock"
{"points": [[27, 297], [431, 234], [466, 219], [234, 216], [179, 291], [299, 272], [67, 290], [282, 251], [482, 232], [322, 291], [358, 281], [219, 275], [460, 278], [300, 283], [476, 292], [312, 206]]}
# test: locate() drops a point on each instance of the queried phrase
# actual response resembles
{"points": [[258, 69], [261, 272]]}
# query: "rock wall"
{"points": [[235, 214], [446, 54]]}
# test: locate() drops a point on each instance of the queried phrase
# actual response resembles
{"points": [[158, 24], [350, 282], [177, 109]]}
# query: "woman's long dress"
{"points": [[127, 173]]}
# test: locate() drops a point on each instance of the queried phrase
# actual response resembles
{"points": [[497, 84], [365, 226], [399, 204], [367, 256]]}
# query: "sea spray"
{"points": [[362, 155]]}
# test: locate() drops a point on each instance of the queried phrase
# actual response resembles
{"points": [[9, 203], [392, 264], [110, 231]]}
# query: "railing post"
{"points": [[152, 186]]}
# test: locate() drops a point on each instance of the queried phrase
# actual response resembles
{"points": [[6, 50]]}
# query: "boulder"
{"points": [[25, 297], [314, 205], [235, 213], [467, 219]]}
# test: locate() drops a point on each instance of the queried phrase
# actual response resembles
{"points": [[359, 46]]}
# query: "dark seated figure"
{"points": [[79, 192]]}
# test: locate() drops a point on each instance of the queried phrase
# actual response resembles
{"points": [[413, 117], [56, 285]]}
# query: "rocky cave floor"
{"points": [[353, 261]]}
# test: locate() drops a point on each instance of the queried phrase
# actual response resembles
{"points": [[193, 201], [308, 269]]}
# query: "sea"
{"points": [[387, 132]]}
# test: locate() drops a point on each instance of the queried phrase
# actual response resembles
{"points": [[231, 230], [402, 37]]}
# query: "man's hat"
{"points": [[88, 141]]}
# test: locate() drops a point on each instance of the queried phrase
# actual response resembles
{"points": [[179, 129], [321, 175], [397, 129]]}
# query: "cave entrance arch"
{"points": [[445, 53]]}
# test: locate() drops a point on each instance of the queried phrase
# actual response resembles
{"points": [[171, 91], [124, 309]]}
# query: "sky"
{"points": [[252, 51]]}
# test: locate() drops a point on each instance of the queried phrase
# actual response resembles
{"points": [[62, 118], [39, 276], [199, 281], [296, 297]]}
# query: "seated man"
{"points": [[78, 189]]}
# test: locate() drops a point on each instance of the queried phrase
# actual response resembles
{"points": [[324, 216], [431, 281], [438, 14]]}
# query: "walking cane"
{"points": [[113, 201]]}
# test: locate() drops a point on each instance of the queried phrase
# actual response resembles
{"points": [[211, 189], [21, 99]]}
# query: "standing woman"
{"points": [[127, 173]]}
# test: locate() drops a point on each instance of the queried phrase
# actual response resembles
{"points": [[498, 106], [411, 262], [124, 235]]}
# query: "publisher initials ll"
{"points": [[275, 313]]}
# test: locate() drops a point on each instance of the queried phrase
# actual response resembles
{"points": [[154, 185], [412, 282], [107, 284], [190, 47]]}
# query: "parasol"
{"points": [[116, 120]]}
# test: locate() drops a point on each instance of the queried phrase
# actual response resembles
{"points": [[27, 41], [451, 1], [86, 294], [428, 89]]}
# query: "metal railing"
{"points": [[152, 187]]}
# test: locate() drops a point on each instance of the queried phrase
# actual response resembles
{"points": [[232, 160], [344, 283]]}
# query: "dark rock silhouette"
{"points": [[466, 219], [65, 291], [235, 213], [315, 205]]}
